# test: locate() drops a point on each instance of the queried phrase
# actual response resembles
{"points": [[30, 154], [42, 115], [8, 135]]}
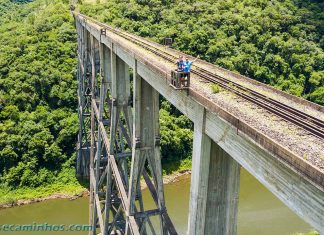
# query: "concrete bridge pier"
{"points": [[146, 147], [214, 188]]}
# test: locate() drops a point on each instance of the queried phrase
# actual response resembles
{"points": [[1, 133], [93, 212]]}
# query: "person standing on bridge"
{"points": [[187, 64], [180, 64]]}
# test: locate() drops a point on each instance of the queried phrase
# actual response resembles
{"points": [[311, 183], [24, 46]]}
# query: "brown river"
{"points": [[260, 212]]}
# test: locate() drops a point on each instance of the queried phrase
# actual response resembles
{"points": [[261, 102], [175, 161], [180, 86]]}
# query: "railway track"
{"points": [[310, 123]]}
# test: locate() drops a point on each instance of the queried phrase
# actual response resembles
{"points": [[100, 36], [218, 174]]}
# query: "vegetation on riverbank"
{"points": [[66, 186], [38, 119], [310, 233]]}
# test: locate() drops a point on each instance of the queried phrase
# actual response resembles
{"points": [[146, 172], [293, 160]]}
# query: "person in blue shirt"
{"points": [[187, 65], [180, 63]]}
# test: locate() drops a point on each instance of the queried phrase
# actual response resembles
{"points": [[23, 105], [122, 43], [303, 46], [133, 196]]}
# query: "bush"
{"points": [[215, 88]]}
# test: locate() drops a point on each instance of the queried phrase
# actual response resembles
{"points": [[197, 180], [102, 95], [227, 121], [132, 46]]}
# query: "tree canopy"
{"points": [[278, 42], [38, 97], [38, 119]]}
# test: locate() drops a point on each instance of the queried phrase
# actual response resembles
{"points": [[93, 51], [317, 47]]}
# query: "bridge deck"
{"points": [[305, 150], [300, 142]]}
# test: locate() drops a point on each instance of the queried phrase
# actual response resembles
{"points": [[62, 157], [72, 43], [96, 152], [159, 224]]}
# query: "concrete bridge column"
{"points": [[146, 146], [120, 109], [214, 186]]}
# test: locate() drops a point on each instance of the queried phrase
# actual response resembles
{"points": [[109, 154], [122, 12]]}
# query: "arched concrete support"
{"points": [[214, 186]]}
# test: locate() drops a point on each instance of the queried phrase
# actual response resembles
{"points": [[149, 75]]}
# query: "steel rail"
{"points": [[310, 123], [273, 109], [310, 118]]}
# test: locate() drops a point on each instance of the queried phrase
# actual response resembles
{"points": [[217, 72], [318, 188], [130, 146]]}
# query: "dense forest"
{"points": [[38, 103], [38, 118], [277, 42]]}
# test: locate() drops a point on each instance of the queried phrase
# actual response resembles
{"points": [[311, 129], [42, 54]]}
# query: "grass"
{"points": [[12, 196], [305, 156], [309, 233], [66, 184], [215, 88]]}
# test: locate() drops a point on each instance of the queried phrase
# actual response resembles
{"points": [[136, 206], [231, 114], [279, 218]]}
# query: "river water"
{"points": [[260, 213]]}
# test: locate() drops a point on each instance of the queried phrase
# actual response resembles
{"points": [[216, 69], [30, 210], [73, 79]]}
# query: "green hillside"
{"points": [[38, 119]]}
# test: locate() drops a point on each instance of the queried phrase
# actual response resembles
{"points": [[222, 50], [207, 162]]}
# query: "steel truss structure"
{"points": [[118, 142]]}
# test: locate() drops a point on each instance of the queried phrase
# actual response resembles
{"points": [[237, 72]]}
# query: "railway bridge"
{"points": [[276, 137]]}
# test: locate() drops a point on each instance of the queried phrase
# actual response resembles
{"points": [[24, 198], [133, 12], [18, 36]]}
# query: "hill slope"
{"points": [[38, 121]]}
